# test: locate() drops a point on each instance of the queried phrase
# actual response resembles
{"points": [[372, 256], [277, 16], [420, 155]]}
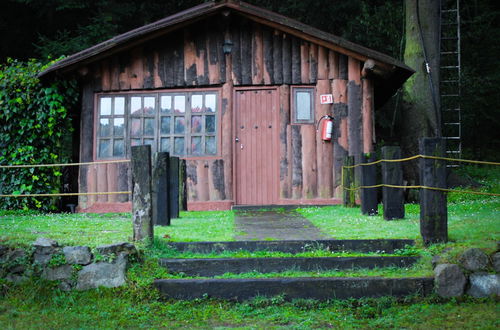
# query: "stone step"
{"points": [[295, 246], [294, 288], [219, 266]]}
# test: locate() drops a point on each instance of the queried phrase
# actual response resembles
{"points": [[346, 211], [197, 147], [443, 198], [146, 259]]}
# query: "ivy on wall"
{"points": [[34, 121]]}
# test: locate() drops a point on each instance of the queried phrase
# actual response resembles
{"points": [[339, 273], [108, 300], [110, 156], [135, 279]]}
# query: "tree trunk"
{"points": [[420, 116]]}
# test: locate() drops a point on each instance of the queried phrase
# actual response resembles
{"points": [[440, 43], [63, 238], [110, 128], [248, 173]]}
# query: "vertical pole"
{"points": [[348, 182], [142, 219], [369, 203], [174, 187], [182, 186], [392, 173], [161, 215], [433, 208]]}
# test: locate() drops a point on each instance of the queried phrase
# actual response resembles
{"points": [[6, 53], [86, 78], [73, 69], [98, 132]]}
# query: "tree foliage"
{"points": [[33, 123], [480, 79]]}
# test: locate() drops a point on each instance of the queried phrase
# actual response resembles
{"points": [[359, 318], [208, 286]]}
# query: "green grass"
{"points": [[17, 228], [67, 229], [473, 222], [387, 272], [199, 226], [41, 306]]}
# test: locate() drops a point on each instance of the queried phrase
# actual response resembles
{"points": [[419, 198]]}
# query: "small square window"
{"points": [[303, 105]]}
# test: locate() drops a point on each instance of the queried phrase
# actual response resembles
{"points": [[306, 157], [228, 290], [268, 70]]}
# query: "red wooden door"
{"points": [[256, 147]]}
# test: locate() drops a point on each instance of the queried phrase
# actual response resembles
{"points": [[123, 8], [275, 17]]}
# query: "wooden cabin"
{"points": [[235, 90]]}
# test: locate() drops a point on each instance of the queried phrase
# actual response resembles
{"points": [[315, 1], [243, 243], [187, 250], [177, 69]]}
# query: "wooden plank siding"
{"points": [[309, 168]]}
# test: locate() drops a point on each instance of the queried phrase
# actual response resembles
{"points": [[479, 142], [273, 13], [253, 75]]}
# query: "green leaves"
{"points": [[33, 122]]}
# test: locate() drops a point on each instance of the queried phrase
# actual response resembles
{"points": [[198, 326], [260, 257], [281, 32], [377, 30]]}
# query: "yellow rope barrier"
{"points": [[423, 156], [422, 187], [70, 194], [69, 164], [417, 187], [461, 160]]}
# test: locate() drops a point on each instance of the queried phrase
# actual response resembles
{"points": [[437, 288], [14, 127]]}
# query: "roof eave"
{"points": [[394, 70]]}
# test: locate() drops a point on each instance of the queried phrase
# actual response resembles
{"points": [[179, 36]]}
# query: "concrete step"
{"points": [[294, 288], [219, 266], [295, 246]]}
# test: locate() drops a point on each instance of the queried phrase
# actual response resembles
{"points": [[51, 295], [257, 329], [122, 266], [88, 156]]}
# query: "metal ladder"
{"points": [[450, 69]]}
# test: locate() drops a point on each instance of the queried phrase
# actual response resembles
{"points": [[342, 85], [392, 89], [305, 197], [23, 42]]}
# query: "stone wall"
{"points": [[476, 275], [75, 267]]}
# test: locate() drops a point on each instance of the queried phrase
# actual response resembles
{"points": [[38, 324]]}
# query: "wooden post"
{"points": [[369, 203], [392, 173], [161, 214], [433, 208], [174, 187], [142, 219], [182, 185], [348, 181]]}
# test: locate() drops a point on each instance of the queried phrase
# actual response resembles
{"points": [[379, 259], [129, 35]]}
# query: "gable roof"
{"points": [[395, 72]]}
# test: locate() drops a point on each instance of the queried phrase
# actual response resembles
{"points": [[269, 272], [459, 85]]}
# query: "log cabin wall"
{"points": [[193, 58]]}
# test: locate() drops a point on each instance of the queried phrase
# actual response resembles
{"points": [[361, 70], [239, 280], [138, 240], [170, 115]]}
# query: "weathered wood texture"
{"points": [[433, 208], [308, 167], [160, 188], [369, 202], [142, 219], [348, 182], [392, 173], [173, 187], [205, 180], [260, 56]]}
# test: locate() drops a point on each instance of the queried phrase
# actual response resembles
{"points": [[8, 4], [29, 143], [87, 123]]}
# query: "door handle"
{"points": [[237, 140]]}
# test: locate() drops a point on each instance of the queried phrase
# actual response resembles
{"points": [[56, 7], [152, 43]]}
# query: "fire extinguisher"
{"points": [[326, 127]]}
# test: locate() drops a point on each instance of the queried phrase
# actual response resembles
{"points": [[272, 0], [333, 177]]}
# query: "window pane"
{"points": [[165, 125], [210, 124], [149, 126], [210, 102], [180, 125], [104, 148], [149, 105], [197, 103], [135, 142], [210, 146], [119, 105], [118, 148], [104, 127], [105, 106], [196, 124], [196, 145], [119, 126], [179, 146], [135, 106], [180, 104], [135, 129], [303, 106], [165, 144], [166, 103], [149, 142]]}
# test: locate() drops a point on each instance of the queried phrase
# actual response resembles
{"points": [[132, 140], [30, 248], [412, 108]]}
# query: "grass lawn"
{"points": [[473, 222], [41, 307], [98, 229]]}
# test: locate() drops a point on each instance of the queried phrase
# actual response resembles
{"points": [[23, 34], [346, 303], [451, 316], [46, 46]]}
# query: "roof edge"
{"points": [[255, 13]]}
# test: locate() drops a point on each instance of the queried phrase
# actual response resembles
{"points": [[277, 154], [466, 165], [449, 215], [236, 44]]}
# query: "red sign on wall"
{"points": [[326, 98]]}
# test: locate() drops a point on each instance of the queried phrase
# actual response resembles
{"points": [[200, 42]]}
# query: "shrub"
{"points": [[33, 124]]}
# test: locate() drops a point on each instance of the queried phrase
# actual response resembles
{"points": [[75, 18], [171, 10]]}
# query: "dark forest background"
{"points": [[51, 28]]}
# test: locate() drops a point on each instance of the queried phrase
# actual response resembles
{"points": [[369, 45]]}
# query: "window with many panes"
{"points": [[303, 105], [182, 123], [111, 127]]}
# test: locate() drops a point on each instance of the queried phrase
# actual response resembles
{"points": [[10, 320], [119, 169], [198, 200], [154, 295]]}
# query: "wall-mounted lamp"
{"points": [[227, 47]]}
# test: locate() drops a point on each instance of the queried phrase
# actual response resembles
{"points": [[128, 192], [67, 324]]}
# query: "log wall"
{"points": [[309, 167]]}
